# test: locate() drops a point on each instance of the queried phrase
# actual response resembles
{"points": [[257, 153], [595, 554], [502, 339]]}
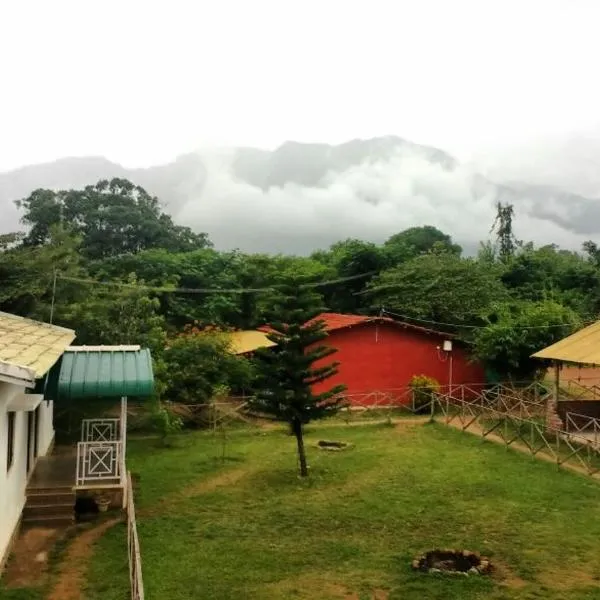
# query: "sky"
{"points": [[143, 81]]}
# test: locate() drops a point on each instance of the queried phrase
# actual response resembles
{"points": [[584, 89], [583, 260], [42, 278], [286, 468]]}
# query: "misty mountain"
{"points": [[300, 197]]}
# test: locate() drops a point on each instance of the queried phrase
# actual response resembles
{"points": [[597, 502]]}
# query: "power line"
{"points": [[461, 326], [175, 290]]}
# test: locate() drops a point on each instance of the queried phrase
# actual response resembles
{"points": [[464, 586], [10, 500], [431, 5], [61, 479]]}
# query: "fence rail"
{"points": [[521, 421], [99, 462], [133, 545], [100, 430]]}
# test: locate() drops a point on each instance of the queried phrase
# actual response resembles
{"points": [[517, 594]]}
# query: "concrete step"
{"points": [[49, 520], [37, 499], [58, 489], [42, 510]]}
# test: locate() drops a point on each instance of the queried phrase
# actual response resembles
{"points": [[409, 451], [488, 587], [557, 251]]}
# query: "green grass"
{"points": [[21, 593], [355, 524]]}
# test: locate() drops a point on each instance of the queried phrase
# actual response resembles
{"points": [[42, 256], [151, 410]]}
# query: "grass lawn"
{"points": [[248, 528]]}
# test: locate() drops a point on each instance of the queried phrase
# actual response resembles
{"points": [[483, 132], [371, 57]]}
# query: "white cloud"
{"points": [[371, 201]]}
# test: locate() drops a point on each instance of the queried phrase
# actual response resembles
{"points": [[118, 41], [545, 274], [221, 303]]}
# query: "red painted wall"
{"points": [[384, 357]]}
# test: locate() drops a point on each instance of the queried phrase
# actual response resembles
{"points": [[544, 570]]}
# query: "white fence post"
{"points": [[133, 546]]}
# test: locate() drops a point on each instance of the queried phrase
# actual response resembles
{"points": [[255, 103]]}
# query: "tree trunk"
{"points": [[299, 433]]}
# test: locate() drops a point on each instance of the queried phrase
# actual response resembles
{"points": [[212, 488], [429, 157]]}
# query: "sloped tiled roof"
{"points": [[337, 321], [31, 345]]}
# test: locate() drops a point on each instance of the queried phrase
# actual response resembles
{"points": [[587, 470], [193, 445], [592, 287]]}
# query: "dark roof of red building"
{"points": [[337, 321]]}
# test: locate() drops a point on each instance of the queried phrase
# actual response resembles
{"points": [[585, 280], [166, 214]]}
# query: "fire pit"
{"points": [[328, 445], [452, 562]]}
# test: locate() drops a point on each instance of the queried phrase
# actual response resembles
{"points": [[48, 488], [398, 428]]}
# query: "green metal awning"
{"points": [[105, 372]]}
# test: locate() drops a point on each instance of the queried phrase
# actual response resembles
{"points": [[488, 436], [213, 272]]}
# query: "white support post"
{"points": [[123, 441]]}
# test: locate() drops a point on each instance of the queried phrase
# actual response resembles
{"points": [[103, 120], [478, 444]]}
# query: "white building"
{"points": [[28, 350]]}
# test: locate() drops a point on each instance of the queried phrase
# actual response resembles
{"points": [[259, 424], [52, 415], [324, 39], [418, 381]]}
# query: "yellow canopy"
{"points": [[582, 347], [243, 342]]}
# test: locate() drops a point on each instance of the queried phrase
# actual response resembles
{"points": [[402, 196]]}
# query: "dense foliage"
{"points": [[509, 300]]}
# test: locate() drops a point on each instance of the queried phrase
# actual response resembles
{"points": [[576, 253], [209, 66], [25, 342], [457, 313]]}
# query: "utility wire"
{"points": [[174, 290], [461, 326]]}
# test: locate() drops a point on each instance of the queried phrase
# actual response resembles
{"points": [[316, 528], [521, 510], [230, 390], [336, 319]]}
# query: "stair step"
{"points": [[49, 520], [59, 489], [50, 498], [40, 510]]}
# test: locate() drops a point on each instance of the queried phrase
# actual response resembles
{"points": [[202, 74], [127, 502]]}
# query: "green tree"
{"points": [[114, 315], [516, 330], [28, 274], [112, 217], [287, 373], [415, 241], [503, 227], [351, 258], [444, 288], [551, 273], [196, 362]]}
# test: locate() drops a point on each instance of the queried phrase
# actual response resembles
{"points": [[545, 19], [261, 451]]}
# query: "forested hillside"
{"points": [[107, 262]]}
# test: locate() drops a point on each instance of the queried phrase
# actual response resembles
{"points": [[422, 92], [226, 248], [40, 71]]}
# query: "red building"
{"points": [[378, 354]]}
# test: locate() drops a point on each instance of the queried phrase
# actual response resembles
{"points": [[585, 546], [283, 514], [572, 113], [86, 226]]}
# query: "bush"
{"points": [[165, 422], [424, 389], [195, 364]]}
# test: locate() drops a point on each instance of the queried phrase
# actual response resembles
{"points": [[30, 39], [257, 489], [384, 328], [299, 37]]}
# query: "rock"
{"points": [[432, 571], [416, 564], [473, 571]]}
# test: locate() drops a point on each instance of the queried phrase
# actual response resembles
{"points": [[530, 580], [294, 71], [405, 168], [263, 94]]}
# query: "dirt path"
{"points": [[477, 430], [29, 562], [351, 423], [205, 486], [71, 574]]}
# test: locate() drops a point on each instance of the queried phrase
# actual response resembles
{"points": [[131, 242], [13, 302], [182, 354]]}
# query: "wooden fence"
{"points": [[518, 417], [133, 544]]}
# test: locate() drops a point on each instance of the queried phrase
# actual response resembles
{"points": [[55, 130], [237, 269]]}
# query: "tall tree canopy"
{"points": [[438, 287], [415, 241], [112, 217]]}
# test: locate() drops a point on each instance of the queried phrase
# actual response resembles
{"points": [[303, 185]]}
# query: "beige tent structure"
{"points": [[580, 348]]}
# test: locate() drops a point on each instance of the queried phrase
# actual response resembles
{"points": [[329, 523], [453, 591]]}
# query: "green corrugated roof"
{"points": [[105, 374]]}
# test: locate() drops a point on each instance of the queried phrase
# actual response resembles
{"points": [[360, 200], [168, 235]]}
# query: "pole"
{"points": [[53, 297]]}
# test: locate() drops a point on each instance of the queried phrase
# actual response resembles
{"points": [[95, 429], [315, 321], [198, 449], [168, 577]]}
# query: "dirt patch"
{"points": [[204, 486], [28, 565], [571, 578], [322, 585], [504, 575], [71, 575]]}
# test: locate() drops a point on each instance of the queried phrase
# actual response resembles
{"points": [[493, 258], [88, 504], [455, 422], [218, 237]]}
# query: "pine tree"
{"points": [[288, 371]]}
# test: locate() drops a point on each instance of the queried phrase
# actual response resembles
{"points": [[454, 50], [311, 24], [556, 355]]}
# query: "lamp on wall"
{"points": [[447, 351]]}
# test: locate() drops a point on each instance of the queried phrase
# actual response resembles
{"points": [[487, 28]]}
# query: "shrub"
{"points": [[423, 389], [195, 364]]}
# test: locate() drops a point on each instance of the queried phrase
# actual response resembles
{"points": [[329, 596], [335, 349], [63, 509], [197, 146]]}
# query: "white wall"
{"points": [[14, 482], [45, 427]]}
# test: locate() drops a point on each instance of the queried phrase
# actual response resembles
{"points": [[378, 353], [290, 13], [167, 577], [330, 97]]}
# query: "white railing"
{"points": [[99, 462], [133, 543], [101, 430]]}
